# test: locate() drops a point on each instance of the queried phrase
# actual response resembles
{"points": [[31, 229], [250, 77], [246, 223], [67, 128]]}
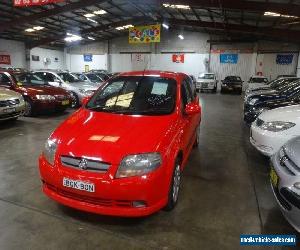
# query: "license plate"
{"points": [[9, 110], [79, 185], [66, 102], [274, 177]]}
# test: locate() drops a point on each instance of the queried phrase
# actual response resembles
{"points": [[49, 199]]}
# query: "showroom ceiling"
{"points": [[101, 20]]}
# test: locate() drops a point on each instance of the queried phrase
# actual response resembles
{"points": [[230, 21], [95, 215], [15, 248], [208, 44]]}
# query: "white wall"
{"points": [[76, 63], [193, 63], [47, 53], [268, 66], [16, 50]]}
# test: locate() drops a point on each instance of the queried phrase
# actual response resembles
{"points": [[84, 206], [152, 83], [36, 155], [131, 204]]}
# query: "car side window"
{"points": [[185, 94], [4, 80], [46, 76], [192, 86]]}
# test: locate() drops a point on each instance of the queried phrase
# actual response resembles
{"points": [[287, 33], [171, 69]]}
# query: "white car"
{"points": [[256, 82], [273, 128], [207, 81]]}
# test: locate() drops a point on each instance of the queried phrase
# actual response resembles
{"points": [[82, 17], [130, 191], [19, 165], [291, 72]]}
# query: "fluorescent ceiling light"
{"points": [[30, 30], [181, 37], [274, 14], [92, 20], [124, 27], [38, 28], [89, 15], [72, 38], [176, 6], [91, 38], [165, 26], [100, 12]]}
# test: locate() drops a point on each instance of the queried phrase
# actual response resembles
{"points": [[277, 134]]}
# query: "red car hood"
{"points": [[42, 90], [110, 137]]}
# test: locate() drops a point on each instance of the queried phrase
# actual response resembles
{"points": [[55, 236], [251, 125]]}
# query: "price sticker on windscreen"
{"points": [[159, 88]]}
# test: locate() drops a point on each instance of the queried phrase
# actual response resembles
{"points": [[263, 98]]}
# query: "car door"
{"points": [[189, 122]]}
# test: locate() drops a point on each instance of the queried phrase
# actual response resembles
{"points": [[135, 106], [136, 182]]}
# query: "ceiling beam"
{"points": [[282, 8], [288, 35], [49, 13]]}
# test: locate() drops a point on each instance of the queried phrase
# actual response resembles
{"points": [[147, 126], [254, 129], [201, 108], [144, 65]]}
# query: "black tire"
{"points": [[28, 108], [174, 187], [215, 89], [222, 91], [197, 141], [75, 100]]}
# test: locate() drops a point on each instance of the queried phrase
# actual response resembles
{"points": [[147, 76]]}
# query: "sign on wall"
{"points": [[88, 58], [22, 3], [284, 59], [145, 34], [5, 59], [229, 58], [178, 58]]}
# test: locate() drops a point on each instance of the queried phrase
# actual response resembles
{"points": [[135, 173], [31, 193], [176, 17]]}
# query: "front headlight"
{"points": [[45, 97], [50, 150], [253, 101], [137, 165], [277, 126]]}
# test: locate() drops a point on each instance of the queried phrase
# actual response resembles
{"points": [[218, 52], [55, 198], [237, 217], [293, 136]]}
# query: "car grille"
{"points": [[9, 103], [85, 164], [89, 199], [259, 122], [287, 164], [204, 85]]}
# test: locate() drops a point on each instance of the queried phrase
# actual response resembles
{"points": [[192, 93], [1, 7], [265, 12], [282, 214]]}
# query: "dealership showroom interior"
{"points": [[150, 124]]}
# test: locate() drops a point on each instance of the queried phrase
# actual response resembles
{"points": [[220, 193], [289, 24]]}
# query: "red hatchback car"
{"points": [[123, 152]]}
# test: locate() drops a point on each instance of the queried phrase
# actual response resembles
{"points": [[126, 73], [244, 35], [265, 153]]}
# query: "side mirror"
{"points": [[85, 100], [192, 109]]}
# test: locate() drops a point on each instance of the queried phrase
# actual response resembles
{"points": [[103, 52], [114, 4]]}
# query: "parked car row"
{"points": [[273, 111], [30, 93]]}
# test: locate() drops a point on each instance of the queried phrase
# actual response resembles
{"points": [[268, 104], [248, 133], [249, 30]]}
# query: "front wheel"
{"points": [[174, 188], [75, 100], [28, 108]]}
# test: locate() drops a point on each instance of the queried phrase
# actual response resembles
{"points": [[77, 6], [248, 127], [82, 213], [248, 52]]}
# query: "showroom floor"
{"points": [[225, 193]]}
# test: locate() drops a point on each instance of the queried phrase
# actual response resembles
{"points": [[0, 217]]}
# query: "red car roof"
{"points": [[153, 72]]}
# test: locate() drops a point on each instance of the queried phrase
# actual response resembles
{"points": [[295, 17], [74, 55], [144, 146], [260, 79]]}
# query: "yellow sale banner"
{"points": [[145, 34]]}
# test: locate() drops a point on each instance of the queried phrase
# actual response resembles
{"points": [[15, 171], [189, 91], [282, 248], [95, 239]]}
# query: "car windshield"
{"points": [[94, 78], [233, 78], [284, 84], [207, 76], [291, 90], [28, 79], [258, 80], [142, 95], [67, 77], [103, 76]]}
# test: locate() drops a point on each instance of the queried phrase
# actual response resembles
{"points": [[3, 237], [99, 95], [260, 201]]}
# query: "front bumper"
{"points": [[233, 88], [267, 142], [287, 197], [113, 197], [51, 105], [205, 86], [8, 113]]}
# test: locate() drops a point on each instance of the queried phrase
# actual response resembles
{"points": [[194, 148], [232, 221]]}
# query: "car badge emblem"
{"points": [[83, 164]]}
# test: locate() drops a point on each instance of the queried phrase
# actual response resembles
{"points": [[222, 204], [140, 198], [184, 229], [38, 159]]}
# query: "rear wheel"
{"points": [[174, 188]]}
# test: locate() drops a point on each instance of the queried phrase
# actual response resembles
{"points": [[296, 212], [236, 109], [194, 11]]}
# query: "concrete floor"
{"points": [[225, 193]]}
